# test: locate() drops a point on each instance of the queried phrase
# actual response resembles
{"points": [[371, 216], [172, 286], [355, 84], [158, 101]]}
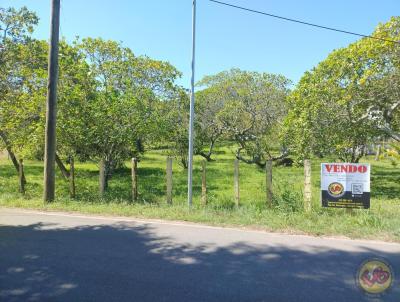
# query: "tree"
{"points": [[208, 129], [324, 119], [250, 110], [76, 87], [24, 108], [348, 100], [175, 121], [128, 88], [15, 28], [381, 82]]}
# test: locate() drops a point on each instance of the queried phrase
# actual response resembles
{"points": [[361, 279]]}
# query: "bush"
{"points": [[288, 200]]}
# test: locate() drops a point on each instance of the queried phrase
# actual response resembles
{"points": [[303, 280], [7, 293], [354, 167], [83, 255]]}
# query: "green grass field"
{"points": [[381, 222]]}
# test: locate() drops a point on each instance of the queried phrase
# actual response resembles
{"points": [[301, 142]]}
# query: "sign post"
{"points": [[345, 185]]}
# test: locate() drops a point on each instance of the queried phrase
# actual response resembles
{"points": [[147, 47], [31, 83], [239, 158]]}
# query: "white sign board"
{"points": [[345, 185]]}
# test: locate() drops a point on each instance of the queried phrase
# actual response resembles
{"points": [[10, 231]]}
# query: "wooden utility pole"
{"points": [[307, 185], [51, 113], [203, 183], [236, 182], [268, 182], [134, 180]]}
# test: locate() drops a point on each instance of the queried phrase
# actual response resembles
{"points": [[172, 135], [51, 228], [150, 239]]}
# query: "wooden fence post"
{"points": [[203, 183], [21, 176], [169, 180], [102, 177], [268, 181], [236, 182], [307, 185], [72, 177], [134, 180]]}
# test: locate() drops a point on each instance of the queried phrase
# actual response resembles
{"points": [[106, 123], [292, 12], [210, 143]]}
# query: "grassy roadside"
{"points": [[381, 222]]}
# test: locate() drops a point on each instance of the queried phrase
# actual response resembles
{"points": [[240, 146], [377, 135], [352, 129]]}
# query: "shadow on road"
{"points": [[43, 262]]}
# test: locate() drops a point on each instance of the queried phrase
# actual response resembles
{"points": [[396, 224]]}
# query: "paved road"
{"points": [[61, 257]]}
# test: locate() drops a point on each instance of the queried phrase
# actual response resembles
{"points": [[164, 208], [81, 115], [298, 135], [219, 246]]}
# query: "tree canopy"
{"points": [[348, 100], [248, 108]]}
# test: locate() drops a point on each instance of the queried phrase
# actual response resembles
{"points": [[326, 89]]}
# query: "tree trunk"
{"points": [[207, 155], [102, 178], [378, 152], [203, 183], [268, 182], [72, 190], [134, 180], [63, 169], [257, 159], [107, 170], [21, 174], [169, 180], [236, 182], [11, 154], [184, 163], [359, 155]]}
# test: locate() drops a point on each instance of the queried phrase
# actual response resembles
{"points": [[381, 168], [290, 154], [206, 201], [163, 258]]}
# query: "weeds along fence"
{"points": [[270, 193]]}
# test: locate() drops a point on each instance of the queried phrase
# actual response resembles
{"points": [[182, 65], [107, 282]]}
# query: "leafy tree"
{"points": [[76, 87], [106, 101], [347, 100], [250, 109], [16, 26], [24, 109], [380, 83], [324, 119], [208, 128], [176, 126], [15, 29], [128, 88]]}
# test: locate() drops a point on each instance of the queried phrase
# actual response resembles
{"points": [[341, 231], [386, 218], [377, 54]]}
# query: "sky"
{"points": [[225, 37]]}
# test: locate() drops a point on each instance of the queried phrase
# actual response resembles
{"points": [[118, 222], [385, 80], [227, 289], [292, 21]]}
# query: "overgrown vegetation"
{"points": [[380, 222]]}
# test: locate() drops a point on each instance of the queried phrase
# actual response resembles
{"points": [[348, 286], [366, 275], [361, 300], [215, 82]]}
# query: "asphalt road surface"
{"points": [[63, 257]]}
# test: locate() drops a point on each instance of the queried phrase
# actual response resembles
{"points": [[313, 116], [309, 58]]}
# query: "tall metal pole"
{"points": [[51, 113], [190, 164]]}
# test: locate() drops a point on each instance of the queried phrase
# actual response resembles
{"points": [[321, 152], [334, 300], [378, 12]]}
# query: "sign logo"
{"points": [[375, 276], [336, 189]]}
